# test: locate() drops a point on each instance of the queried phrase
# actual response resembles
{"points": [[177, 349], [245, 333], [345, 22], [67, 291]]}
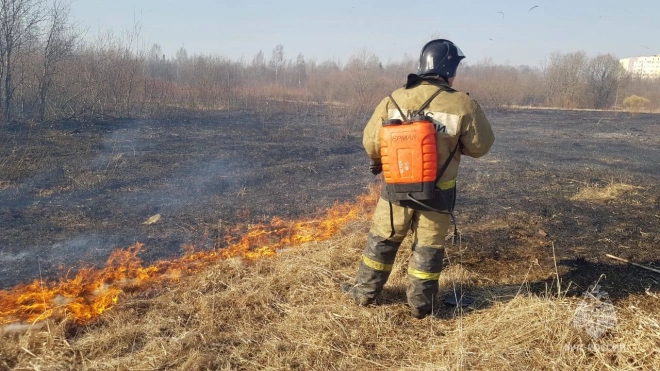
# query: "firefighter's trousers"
{"points": [[390, 225]]}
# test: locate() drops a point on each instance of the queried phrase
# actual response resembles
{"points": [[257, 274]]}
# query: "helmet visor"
{"points": [[459, 52]]}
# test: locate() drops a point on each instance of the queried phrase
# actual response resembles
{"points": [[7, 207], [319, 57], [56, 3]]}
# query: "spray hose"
{"points": [[450, 213]]}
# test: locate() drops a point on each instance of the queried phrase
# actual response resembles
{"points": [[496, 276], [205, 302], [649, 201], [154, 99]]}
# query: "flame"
{"points": [[94, 291]]}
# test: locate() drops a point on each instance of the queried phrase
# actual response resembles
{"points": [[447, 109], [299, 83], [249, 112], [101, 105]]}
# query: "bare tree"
{"points": [[565, 78], [127, 72], [157, 74], [257, 70], [18, 19], [301, 69], [258, 62], [181, 60], [363, 69], [277, 60], [603, 75], [155, 59], [46, 70], [59, 44]]}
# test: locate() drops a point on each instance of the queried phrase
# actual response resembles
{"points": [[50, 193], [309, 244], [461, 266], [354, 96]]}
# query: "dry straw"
{"points": [[603, 193], [286, 313]]}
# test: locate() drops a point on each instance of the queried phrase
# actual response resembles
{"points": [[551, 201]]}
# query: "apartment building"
{"points": [[644, 67]]}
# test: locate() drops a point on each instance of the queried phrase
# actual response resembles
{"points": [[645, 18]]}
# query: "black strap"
{"points": [[392, 220], [403, 115], [428, 101], [423, 106], [427, 207], [446, 164], [442, 170]]}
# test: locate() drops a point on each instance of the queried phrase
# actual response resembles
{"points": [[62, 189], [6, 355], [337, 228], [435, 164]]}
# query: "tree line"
{"points": [[49, 72]]}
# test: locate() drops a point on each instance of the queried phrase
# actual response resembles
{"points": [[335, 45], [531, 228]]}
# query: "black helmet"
{"points": [[439, 57]]}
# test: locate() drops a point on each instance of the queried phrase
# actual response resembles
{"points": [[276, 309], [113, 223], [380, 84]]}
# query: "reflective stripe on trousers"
{"points": [[429, 231]]}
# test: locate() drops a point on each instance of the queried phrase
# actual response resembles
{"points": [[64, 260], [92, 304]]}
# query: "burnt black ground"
{"points": [[71, 193], [524, 189]]}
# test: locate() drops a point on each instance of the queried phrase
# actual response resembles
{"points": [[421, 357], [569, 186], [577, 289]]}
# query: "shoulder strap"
{"points": [[446, 164], [428, 101], [453, 152], [403, 116], [423, 106]]}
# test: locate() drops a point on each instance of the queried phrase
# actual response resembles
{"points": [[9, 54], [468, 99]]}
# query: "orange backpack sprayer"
{"points": [[409, 157], [408, 153]]}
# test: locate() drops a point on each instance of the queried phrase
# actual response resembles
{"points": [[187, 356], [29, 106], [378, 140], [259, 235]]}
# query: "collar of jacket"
{"points": [[414, 80]]}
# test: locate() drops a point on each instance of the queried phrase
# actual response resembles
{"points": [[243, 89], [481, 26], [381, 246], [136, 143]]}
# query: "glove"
{"points": [[375, 167]]}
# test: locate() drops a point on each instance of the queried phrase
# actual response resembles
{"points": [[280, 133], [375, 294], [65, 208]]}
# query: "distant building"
{"points": [[644, 67]]}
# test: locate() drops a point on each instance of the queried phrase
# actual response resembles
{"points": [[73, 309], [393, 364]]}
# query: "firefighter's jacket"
{"points": [[457, 117]]}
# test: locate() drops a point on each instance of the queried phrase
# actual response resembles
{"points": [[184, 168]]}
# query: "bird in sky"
{"points": [[532, 8], [502, 14]]}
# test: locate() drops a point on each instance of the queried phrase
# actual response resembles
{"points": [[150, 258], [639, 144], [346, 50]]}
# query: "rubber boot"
{"points": [[423, 274], [377, 260]]}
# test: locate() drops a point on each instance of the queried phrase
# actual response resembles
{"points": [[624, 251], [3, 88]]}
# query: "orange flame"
{"points": [[93, 291]]}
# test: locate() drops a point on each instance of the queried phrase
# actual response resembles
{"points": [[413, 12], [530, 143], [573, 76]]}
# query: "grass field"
{"points": [[537, 216]]}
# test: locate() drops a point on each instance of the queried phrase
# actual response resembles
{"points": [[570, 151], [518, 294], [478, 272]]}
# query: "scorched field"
{"points": [[559, 191]]}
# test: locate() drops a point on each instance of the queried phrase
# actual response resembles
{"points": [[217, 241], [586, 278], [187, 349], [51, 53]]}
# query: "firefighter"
{"points": [[461, 129]]}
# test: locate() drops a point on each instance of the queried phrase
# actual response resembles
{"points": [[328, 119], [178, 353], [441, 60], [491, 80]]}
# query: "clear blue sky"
{"points": [[336, 29]]}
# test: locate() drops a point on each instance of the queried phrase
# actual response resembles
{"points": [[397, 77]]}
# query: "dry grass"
{"points": [[603, 193], [286, 313]]}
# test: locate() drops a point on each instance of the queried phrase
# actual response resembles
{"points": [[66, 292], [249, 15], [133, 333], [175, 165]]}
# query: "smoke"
{"points": [[129, 141], [195, 183], [87, 247], [82, 202], [9, 258], [177, 185], [46, 261]]}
